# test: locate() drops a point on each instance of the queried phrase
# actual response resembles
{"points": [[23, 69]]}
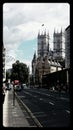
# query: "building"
{"points": [[59, 45], [3, 57], [67, 47], [67, 51], [43, 63], [43, 44]]}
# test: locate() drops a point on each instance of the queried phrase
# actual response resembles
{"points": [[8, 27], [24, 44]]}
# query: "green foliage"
{"points": [[8, 75], [20, 72]]}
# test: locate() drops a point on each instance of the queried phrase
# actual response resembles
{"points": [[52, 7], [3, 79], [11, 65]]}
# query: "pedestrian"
{"points": [[53, 88], [3, 94]]}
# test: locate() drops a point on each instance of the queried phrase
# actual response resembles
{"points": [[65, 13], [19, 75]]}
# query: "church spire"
{"points": [[35, 55], [61, 30], [45, 32], [54, 30], [48, 33], [38, 33]]}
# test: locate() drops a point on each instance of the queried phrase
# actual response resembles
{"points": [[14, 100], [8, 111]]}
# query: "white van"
{"points": [[24, 86]]}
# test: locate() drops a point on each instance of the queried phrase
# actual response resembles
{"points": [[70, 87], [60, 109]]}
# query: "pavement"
{"points": [[13, 116]]}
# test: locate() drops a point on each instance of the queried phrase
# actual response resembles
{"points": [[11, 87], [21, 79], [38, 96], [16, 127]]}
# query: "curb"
{"points": [[29, 112]]}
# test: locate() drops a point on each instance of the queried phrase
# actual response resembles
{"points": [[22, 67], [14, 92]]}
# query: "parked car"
{"points": [[17, 87], [24, 86]]}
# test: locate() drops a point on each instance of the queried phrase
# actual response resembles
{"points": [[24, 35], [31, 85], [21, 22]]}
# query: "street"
{"points": [[51, 108]]}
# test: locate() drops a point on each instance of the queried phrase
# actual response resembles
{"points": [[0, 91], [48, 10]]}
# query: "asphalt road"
{"points": [[51, 108]]}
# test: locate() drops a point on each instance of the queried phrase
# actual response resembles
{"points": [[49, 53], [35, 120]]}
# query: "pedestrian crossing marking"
{"points": [[51, 103]]}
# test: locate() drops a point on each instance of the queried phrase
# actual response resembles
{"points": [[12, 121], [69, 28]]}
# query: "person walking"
{"points": [[3, 94]]}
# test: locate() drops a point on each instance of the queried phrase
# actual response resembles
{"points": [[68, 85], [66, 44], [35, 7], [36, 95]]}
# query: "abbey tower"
{"points": [[43, 44]]}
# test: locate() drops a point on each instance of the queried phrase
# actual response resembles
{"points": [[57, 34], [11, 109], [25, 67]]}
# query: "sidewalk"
{"points": [[13, 116]]}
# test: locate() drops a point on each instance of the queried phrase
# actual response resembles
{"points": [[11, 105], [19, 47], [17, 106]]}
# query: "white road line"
{"points": [[43, 115], [63, 98], [34, 96], [41, 93], [67, 111], [51, 103], [38, 112], [41, 98], [21, 96]]}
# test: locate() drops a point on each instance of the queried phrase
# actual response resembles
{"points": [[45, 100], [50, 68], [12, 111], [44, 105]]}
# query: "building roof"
{"points": [[54, 63], [67, 27]]}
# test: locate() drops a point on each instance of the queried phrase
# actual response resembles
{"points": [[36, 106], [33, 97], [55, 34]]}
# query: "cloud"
{"points": [[18, 14], [22, 21]]}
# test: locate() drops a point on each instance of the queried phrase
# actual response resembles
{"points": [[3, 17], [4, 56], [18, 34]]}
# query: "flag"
{"points": [[42, 24]]}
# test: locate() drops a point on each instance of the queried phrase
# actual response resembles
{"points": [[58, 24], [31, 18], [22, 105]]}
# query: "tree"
{"points": [[8, 75], [20, 72]]}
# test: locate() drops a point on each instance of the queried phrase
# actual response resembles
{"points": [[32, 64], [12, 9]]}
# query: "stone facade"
{"points": [[59, 45], [67, 47], [3, 57], [43, 44], [44, 66], [44, 63]]}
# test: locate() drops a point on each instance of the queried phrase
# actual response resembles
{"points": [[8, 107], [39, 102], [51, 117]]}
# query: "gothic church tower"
{"points": [[43, 44], [59, 45]]}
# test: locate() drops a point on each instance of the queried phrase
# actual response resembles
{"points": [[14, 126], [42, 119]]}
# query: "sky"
{"points": [[21, 24]]}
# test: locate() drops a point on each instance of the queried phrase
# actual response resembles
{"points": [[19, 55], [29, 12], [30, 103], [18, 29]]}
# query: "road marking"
{"points": [[44, 115], [21, 96], [38, 112], [34, 96], [51, 103], [30, 113], [67, 111], [66, 99], [41, 93], [41, 98]]}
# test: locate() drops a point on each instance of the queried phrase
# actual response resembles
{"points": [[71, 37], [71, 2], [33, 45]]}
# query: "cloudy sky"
{"points": [[21, 23]]}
